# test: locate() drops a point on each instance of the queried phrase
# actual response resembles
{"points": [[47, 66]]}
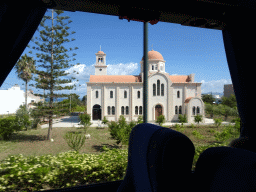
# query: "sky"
{"points": [[185, 49]]}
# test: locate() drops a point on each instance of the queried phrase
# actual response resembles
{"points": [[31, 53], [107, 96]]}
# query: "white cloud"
{"points": [[83, 72], [214, 86], [122, 69]]}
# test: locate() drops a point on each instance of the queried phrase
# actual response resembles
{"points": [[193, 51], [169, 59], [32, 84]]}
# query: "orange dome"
{"points": [[100, 52], [154, 55]]}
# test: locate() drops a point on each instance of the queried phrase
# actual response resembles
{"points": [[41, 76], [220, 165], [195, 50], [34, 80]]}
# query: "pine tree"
{"points": [[52, 75]]}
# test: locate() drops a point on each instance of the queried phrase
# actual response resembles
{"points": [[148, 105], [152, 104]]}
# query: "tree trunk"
{"points": [[26, 96]]}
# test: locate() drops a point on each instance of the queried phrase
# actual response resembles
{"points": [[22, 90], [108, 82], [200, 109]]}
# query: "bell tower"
{"points": [[100, 67]]}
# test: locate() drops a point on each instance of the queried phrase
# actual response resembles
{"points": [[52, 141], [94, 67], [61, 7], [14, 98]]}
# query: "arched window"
{"points": [[111, 94], [156, 67], [136, 110], [194, 111], [178, 94], [154, 89], [138, 94], [152, 67], [97, 94], [113, 110], [127, 110], [198, 110], [176, 109], [140, 110], [158, 87], [108, 110], [125, 94], [122, 110], [162, 89], [180, 110]]}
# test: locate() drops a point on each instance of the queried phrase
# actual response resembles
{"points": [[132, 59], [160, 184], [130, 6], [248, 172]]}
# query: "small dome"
{"points": [[154, 55], [100, 52]]}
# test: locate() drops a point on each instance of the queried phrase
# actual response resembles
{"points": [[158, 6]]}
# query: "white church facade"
{"points": [[169, 95]]}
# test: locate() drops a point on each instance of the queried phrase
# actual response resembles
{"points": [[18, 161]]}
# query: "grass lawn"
{"points": [[33, 142]]}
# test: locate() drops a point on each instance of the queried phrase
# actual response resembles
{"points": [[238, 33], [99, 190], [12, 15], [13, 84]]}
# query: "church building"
{"points": [[168, 95]]}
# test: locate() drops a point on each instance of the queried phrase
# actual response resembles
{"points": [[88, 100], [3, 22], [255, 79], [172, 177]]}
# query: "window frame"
{"points": [[154, 89], [109, 110], [136, 110], [176, 110], [194, 110], [158, 87], [140, 110], [97, 94], [113, 110], [178, 94], [127, 110], [138, 95], [162, 89], [180, 109], [125, 94], [111, 94], [198, 110], [122, 110]]}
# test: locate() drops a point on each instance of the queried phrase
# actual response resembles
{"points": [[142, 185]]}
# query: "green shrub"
{"points": [[192, 126], [182, 119], [85, 120], [23, 118], [198, 118], [104, 121], [140, 119], [75, 140], [197, 134], [9, 125], [217, 122], [160, 119]]}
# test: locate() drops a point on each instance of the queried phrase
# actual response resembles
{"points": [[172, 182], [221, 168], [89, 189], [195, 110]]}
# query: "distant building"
{"points": [[228, 90], [12, 98]]}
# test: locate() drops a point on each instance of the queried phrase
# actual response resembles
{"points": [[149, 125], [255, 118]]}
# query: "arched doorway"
{"points": [[158, 111], [96, 112]]}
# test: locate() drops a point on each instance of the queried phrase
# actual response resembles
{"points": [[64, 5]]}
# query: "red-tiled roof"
{"points": [[115, 78], [179, 78], [133, 78], [188, 99]]}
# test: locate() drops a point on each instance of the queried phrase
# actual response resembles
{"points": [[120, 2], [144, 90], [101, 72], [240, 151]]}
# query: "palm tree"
{"points": [[24, 68]]}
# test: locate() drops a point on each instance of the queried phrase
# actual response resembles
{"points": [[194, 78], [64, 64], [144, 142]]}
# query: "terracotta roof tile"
{"points": [[179, 78], [115, 78], [188, 99]]}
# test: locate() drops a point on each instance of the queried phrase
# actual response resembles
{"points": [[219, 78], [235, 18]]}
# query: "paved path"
{"points": [[73, 121]]}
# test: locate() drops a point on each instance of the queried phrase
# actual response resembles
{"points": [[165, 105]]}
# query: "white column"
{"points": [[117, 102], [130, 107]]}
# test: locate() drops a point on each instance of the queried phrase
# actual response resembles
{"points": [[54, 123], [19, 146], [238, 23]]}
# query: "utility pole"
{"points": [[70, 103]]}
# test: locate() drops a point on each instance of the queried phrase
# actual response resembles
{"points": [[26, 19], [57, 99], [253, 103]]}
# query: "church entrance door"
{"points": [[158, 111], [96, 112]]}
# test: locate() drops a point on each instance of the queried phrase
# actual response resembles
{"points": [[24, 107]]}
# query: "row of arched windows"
{"points": [[136, 110], [127, 110], [125, 94], [196, 110], [113, 110], [157, 88], [176, 109], [138, 93]]}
